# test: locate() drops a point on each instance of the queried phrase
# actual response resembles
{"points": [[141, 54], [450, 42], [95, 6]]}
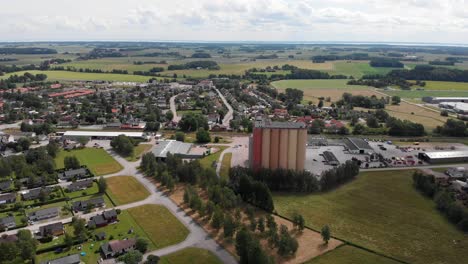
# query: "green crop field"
{"points": [[383, 212], [97, 160], [449, 86], [161, 226], [315, 84], [83, 76], [350, 255], [357, 68], [190, 256], [125, 189]]}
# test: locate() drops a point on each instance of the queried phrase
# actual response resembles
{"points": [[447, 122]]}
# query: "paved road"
{"points": [[228, 117], [197, 236], [172, 104]]}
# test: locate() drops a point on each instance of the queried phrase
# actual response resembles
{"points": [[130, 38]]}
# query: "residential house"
{"points": [[100, 236], [69, 175], [218, 128], [115, 248], [7, 222], [43, 214], [333, 126], [88, 204], [8, 198], [72, 259], [55, 229], [107, 217], [80, 185], [8, 238], [36, 193]]}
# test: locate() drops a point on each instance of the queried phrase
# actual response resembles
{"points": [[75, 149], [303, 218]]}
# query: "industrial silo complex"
{"points": [[276, 145]]}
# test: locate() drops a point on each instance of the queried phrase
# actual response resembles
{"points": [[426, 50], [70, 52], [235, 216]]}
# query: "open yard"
{"points": [[208, 161], [161, 226], [125, 189], [97, 160], [190, 256], [115, 231], [350, 255], [138, 151], [383, 212], [90, 191]]}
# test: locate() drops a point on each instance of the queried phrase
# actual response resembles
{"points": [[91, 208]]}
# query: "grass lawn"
{"points": [[315, 84], [190, 256], [83, 76], [225, 166], [125, 189], [137, 152], [383, 212], [118, 231], [90, 191], [97, 160], [350, 255], [160, 225], [207, 162]]}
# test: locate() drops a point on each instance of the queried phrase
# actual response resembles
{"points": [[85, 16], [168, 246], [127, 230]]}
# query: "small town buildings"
{"points": [[43, 214], [437, 157], [115, 248], [457, 172], [8, 238], [69, 175], [107, 217], [88, 204], [72, 259], [8, 198], [35, 193], [55, 229], [80, 185], [7, 222], [5, 185], [357, 146]]}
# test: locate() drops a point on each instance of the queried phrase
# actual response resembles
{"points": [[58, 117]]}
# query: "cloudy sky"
{"points": [[437, 21]]}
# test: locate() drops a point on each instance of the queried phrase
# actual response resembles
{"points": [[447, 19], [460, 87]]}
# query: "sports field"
{"points": [[161, 226], [125, 189], [190, 256], [83, 76], [97, 160], [383, 212], [350, 255]]}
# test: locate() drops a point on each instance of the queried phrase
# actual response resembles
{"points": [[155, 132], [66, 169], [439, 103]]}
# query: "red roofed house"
{"points": [[281, 113], [56, 86], [333, 126]]}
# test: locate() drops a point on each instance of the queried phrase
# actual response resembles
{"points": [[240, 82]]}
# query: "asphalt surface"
{"points": [[228, 117]]}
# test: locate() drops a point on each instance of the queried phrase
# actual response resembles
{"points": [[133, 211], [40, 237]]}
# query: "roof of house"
{"points": [[8, 238], [72, 259], [85, 203], [7, 196], [75, 172], [97, 220], [5, 185], [51, 228], [80, 184], [110, 214], [118, 245], [7, 220], [42, 212], [34, 193]]}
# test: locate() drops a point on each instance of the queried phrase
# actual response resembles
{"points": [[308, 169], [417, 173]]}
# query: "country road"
{"points": [[172, 105], [228, 117]]}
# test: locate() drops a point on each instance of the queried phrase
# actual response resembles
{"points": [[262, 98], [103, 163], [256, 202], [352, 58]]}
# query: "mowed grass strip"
{"points": [[350, 255], [161, 226], [225, 166], [138, 151], [190, 256], [125, 189], [383, 212], [97, 160]]}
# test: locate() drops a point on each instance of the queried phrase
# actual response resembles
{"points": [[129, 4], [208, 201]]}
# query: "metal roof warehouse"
{"points": [[177, 148], [444, 156], [103, 134]]}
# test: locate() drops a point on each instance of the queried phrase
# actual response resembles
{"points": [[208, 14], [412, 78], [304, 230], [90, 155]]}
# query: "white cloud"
{"points": [[243, 20]]}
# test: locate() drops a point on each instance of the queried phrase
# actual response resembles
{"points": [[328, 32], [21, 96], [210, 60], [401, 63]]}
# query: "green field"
{"points": [[454, 86], [315, 84], [350, 255], [161, 226], [383, 212], [83, 76], [190, 256], [141, 148], [207, 162], [357, 68], [413, 94], [125, 189], [97, 160]]}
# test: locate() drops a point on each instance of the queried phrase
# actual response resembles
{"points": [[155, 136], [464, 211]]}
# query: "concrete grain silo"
{"points": [[283, 149], [266, 148]]}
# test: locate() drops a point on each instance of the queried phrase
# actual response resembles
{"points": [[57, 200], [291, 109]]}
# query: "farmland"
{"points": [[429, 119], [356, 68], [125, 189], [381, 211], [97, 160], [414, 94], [161, 226], [83, 76], [350, 255], [315, 84]]}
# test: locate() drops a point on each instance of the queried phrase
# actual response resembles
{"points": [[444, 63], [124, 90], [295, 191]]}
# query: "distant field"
{"points": [[190, 256], [161, 226], [350, 255], [433, 85], [97, 160], [315, 84], [357, 68], [429, 119], [125, 189], [413, 94], [381, 211], [82, 76]]}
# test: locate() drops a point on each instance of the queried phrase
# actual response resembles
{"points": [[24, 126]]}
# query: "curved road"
{"points": [[228, 117], [172, 105]]}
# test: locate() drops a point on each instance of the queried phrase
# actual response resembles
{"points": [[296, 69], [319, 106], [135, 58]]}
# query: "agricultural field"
{"points": [[315, 84], [91, 248], [382, 212], [97, 160], [350, 255], [83, 76], [429, 119], [356, 68], [157, 220], [418, 94], [125, 189], [190, 256]]}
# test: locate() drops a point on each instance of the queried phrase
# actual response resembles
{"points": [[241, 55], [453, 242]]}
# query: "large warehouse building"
{"points": [[436, 157], [276, 145]]}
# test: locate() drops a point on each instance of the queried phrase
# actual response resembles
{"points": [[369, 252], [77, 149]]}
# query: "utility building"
{"points": [[276, 145]]}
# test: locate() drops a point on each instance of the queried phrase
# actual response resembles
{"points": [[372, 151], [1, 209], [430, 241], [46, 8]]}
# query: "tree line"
{"points": [[10, 82]]}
